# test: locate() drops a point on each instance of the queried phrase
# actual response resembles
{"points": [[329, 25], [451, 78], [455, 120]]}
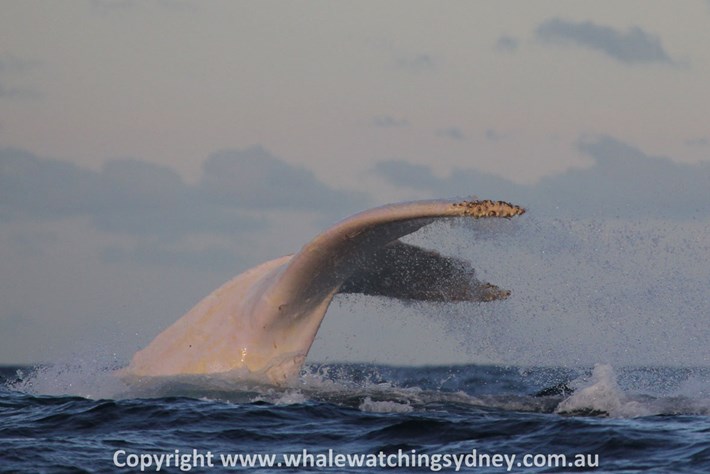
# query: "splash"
{"points": [[368, 405], [629, 298], [601, 395], [88, 376], [601, 392], [584, 291]]}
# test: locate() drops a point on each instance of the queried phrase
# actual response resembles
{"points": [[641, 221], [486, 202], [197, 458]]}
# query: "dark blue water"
{"points": [[426, 418]]}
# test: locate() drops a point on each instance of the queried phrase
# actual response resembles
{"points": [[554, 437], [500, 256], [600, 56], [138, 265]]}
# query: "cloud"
{"points": [[141, 198], [493, 135], [631, 47], [461, 182], [30, 186], [406, 174], [453, 133], [126, 196], [15, 91], [387, 121], [699, 142], [622, 182], [11, 65], [138, 198], [415, 63], [507, 44], [626, 182], [255, 179]]}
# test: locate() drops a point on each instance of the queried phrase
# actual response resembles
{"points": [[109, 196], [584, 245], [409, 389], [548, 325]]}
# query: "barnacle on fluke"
{"points": [[488, 208]]}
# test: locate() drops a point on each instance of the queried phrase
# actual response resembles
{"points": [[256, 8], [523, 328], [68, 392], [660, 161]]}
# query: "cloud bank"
{"points": [[623, 181], [632, 46], [255, 179], [139, 198]]}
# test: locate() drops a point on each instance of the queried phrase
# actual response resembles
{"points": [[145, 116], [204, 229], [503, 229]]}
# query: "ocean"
{"points": [[354, 418], [598, 362]]}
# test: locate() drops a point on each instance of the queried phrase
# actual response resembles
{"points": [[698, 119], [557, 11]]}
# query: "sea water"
{"points": [[366, 418], [598, 362]]}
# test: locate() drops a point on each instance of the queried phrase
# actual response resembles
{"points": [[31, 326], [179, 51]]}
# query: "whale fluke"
{"points": [[262, 323], [407, 272]]}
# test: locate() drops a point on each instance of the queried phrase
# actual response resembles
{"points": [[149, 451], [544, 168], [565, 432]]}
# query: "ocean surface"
{"points": [[334, 417]]}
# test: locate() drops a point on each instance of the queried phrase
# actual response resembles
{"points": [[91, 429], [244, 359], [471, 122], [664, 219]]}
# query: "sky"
{"points": [[150, 150]]}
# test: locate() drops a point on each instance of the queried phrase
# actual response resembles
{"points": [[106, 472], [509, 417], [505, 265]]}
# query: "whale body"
{"points": [[262, 323]]}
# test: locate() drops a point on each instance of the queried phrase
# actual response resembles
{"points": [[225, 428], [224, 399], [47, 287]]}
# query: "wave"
{"points": [[601, 391]]}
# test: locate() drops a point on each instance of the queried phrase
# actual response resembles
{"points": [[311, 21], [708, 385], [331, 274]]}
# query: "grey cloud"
{"points": [[627, 182], [132, 183], [623, 182], [494, 135], [402, 173], [44, 188], [255, 179], [453, 133], [507, 44], [126, 196], [416, 62], [387, 121], [699, 142], [11, 91], [138, 198], [632, 46], [14, 66], [461, 182], [143, 198]]}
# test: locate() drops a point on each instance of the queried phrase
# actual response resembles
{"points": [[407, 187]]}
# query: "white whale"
{"points": [[263, 322]]}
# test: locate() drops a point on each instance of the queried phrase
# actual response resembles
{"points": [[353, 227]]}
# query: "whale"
{"points": [[262, 323]]}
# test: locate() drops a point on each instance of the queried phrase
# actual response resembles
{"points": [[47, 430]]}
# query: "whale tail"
{"points": [[263, 322], [407, 272]]}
